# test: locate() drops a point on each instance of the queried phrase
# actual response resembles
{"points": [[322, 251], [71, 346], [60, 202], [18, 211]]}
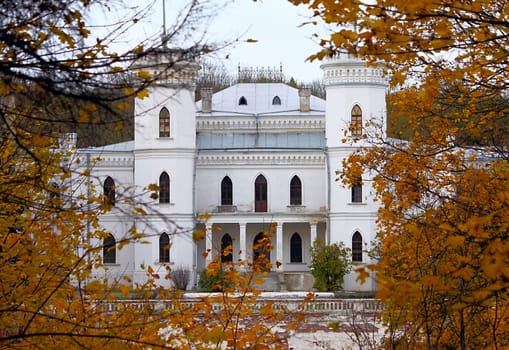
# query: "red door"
{"points": [[260, 194]]}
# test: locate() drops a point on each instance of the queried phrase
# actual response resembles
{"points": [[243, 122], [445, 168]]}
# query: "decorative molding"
{"points": [[261, 159], [335, 75], [107, 161], [263, 123]]}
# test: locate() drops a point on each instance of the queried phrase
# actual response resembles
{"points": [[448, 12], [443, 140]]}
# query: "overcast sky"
{"points": [[273, 23], [275, 26]]}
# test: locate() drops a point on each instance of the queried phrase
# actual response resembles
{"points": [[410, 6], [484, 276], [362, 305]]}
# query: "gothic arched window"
{"points": [[357, 247], [260, 194], [109, 250], [226, 249], [226, 191], [164, 188], [356, 121], [164, 248], [242, 101], [109, 191], [276, 100], [260, 252], [164, 122], [295, 191], [296, 248]]}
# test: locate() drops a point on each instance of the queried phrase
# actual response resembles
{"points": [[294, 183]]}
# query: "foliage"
{"points": [[237, 318], [443, 231], [329, 265], [213, 281], [56, 75]]}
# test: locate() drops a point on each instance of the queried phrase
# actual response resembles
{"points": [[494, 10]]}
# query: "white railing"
{"points": [[326, 306]]}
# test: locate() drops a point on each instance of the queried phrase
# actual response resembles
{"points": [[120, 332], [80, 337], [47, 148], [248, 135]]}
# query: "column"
{"points": [[208, 244], [279, 246], [312, 231], [242, 240]]}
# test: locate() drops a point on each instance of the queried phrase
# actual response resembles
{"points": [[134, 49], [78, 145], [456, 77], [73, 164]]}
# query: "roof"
{"points": [[296, 140], [259, 98], [127, 146]]}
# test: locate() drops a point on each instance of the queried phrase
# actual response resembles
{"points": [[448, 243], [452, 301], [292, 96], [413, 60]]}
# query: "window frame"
{"points": [[109, 193], [164, 188], [296, 248], [295, 191], [356, 121], [226, 191], [357, 191], [226, 241], [164, 123], [164, 248], [109, 250], [357, 247], [261, 194]]}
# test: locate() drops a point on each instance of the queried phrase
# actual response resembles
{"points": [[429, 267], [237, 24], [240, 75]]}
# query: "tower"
{"points": [[355, 95], [164, 154]]}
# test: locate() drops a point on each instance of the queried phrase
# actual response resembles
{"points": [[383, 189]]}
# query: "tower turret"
{"points": [[355, 95], [164, 153]]}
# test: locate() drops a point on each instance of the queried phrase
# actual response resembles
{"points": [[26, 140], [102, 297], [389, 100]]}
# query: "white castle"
{"points": [[254, 156]]}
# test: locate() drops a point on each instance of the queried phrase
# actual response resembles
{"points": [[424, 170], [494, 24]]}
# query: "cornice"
{"points": [[107, 161], [260, 159], [260, 124]]}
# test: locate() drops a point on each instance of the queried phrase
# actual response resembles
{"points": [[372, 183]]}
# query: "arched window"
{"points": [[356, 121], [296, 248], [260, 194], [164, 122], [276, 100], [164, 248], [260, 251], [109, 250], [226, 249], [357, 191], [109, 191], [242, 101], [295, 191], [226, 191], [357, 247], [164, 188]]}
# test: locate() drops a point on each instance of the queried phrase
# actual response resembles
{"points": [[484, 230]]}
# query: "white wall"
{"points": [[208, 182]]}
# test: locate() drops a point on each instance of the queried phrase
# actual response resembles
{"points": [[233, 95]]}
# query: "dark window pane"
{"points": [[357, 247], [164, 248], [109, 250], [295, 248], [295, 191], [164, 188]]}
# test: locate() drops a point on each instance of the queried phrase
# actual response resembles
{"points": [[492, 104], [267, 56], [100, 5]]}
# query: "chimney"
{"points": [[305, 97], [206, 100]]}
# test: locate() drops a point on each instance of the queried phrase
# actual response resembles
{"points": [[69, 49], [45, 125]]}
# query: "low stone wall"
{"points": [[330, 306]]}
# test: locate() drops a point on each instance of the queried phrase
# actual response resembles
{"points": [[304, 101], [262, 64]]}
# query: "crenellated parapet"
{"points": [[347, 70]]}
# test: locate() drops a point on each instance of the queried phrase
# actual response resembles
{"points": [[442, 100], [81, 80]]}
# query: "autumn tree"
{"points": [[58, 72], [443, 251]]}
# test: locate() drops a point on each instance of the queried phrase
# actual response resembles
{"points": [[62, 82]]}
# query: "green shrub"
{"points": [[329, 265], [213, 283]]}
